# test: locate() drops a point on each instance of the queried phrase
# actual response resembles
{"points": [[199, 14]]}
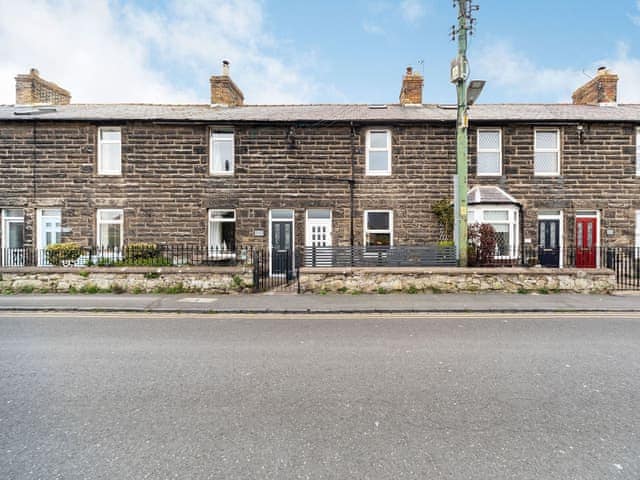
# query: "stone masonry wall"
{"points": [[596, 173], [130, 279], [451, 280], [166, 189]]}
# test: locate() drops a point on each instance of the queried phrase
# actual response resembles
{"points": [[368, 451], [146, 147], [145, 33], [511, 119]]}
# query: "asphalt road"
{"points": [[368, 397]]}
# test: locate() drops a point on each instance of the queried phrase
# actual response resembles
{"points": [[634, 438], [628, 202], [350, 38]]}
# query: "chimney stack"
{"points": [[602, 89], [411, 93], [31, 89], [223, 90]]}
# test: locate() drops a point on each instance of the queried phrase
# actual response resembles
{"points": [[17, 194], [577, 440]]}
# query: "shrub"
{"points": [[140, 252], [482, 244], [63, 253]]}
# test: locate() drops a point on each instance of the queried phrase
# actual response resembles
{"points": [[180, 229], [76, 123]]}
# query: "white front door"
{"points": [[318, 233], [318, 228], [49, 231]]}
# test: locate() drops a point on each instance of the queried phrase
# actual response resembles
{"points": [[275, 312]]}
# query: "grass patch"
{"points": [[322, 292], [151, 275], [237, 282], [343, 290], [90, 288], [382, 290], [522, 290], [83, 273], [137, 291], [356, 292], [435, 290], [543, 291], [172, 290], [73, 290], [26, 289], [412, 289]]}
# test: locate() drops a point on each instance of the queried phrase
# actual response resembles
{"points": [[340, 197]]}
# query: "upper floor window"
{"points": [[638, 151], [221, 153], [546, 152], [109, 151], [490, 152], [378, 228], [378, 153], [110, 226]]}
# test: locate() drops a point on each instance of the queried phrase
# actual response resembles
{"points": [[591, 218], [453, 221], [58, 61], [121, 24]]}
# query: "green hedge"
{"points": [[63, 253]]}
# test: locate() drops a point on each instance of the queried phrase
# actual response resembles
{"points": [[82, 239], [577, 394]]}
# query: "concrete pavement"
{"points": [[308, 303]]}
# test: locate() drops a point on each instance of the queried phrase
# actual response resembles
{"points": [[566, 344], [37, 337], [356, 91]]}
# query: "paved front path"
{"points": [[287, 302], [465, 397]]}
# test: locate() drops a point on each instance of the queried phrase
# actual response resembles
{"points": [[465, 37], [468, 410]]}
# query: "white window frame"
{"points": [[101, 169], [368, 149], [367, 231], [638, 151], [489, 150], [547, 150], [222, 136], [109, 222], [214, 252], [637, 231], [476, 215]]}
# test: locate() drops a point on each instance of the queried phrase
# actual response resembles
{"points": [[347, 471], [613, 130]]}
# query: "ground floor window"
{"points": [[222, 230], [12, 236], [378, 228], [110, 226], [504, 221]]}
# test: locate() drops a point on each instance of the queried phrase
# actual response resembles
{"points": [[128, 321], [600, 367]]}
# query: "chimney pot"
{"points": [[225, 68]]}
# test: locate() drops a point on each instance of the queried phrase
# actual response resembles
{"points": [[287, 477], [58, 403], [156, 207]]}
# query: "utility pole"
{"points": [[460, 76]]}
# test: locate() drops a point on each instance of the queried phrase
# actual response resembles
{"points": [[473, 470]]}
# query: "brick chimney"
{"points": [[223, 90], [602, 89], [411, 92], [31, 89]]}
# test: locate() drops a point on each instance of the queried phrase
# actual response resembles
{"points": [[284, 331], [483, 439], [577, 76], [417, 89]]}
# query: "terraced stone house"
{"points": [[227, 173]]}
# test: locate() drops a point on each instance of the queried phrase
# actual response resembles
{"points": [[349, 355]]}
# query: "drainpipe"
{"points": [[352, 184]]}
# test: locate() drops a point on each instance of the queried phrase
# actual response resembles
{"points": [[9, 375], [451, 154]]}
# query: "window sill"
{"points": [[220, 174], [378, 174]]}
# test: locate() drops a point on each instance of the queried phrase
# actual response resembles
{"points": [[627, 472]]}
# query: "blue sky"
{"points": [[314, 52]]}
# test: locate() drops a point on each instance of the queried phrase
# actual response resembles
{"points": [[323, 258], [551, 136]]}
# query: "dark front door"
{"points": [[549, 243], [281, 247], [586, 238]]}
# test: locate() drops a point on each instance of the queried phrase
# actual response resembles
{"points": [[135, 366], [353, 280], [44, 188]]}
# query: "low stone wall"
{"points": [[126, 279], [448, 279]]}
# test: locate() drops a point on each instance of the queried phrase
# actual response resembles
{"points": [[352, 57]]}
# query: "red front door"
{"points": [[586, 238]]}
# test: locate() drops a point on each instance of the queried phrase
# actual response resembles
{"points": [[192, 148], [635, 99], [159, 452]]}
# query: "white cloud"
{"points": [[412, 10], [106, 52], [519, 79]]}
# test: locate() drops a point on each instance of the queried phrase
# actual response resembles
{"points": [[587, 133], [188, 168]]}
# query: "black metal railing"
{"points": [[274, 269], [396, 256], [148, 255]]}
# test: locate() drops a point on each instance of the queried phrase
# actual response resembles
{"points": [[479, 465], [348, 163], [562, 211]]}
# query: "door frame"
{"points": [[590, 214], [293, 236], [39, 229], [5, 220], [555, 216]]}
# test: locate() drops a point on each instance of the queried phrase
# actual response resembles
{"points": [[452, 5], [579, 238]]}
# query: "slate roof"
{"points": [[329, 113], [489, 195]]}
